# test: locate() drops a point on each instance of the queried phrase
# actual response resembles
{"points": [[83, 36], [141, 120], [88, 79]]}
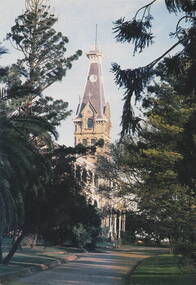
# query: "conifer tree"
{"points": [[153, 170], [42, 62], [29, 118], [138, 32], [43, 50], [158, 157]]}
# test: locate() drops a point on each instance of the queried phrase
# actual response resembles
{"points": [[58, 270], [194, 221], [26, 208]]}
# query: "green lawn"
{"points": [[36, 258], [163, 270]]}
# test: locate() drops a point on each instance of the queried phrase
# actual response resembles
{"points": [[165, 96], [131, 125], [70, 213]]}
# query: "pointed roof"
{"points": [[94, 91]]}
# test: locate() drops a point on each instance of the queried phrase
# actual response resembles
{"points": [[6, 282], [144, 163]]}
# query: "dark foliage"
{"points": [[134, 82], [54, 213], [138, 32], [187, 6], [28, 126], [135, 32], [43, 51]]}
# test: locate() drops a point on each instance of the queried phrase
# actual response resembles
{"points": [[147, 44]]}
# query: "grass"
{"points": [[35, 258], [163, 270]]}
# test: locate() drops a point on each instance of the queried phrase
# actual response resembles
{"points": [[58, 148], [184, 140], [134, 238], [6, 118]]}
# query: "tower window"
{"points": [[84, 142], [90, 123], [93, 141]]}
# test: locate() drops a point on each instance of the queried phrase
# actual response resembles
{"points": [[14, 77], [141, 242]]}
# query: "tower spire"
{"points": [[92, 120], [96, 31]]}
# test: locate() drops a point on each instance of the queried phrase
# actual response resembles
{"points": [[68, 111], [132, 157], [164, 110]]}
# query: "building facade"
{"points": [[92, 123]]}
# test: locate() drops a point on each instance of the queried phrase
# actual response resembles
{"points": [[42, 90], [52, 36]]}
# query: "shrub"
{"points": [[128, 237], [81, 236], [185, 248], [94, 233]]}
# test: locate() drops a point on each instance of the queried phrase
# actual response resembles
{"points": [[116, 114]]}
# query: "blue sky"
{"points": [[77, 19]]}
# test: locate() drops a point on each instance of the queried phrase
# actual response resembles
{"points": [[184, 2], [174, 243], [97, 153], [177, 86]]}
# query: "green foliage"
{"points": [[154, 168], [163, 270], [140, 227], [157, 151], [42, 63], [85, 236], [175, 6], [127, 238], [54, 213], [135, 32], [54, 111], [184, 248], [81, 236], [138, 32], [28, 123], [16, 142], [43, 50]]}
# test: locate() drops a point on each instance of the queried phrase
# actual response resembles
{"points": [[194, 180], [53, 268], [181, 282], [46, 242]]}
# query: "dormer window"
{"points": [[90, 123]]}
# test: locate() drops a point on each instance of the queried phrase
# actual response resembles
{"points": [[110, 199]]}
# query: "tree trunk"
{"points": [[34, 241], [171, 243], [31, 240], [15, 237], [1, 253], [13, 249]]}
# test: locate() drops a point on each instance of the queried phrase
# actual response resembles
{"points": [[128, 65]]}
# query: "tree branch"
{"points": [[184, 17], [153, 63], [144, 7]]}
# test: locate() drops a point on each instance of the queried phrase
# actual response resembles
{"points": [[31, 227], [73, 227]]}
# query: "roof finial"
{"points": [[96, 47]]}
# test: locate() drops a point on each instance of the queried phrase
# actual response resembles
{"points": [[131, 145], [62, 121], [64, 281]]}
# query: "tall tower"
{"points": [[92, 120]]}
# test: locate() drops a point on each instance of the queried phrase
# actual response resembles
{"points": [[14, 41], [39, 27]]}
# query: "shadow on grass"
{"points": [[162, 270], [161, 279], [143, 250], [26, 260]]}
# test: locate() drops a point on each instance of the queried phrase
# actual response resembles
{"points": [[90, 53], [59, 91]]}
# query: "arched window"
{"points": [[90, 123], [93, 141]]}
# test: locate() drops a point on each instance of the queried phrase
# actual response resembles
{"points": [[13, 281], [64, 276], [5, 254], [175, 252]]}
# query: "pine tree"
{"points": [[28, 119], [43, 50], [138, 32], [151, 168], [42, 64], [164, 195], [161, 154]]}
